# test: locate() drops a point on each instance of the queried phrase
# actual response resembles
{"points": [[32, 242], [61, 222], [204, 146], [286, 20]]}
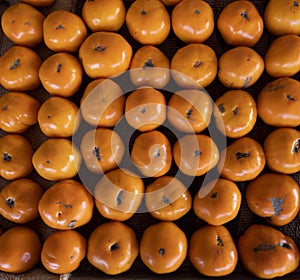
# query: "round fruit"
{"points": [[58, 117], [278, 103], [235, 113], [167, 199], [282, 63], [19, 200], [212, 251], [102, 150], [23, 24], [119, 194], [111, 49], [63, 251], [267, 253], [148, 22], [190, 110], [104, 15], [240, 67], [163, 247], [145, 109], [218, 202], [242, 160], [149, 67], [102, 103], [194, 65], [193, 21], [20, 69], [56, 159], [112, 248], [282, 17], [63, 31], [18, 112], [66, 205], [152, 153], [16, 153], [195, 154], [61, 74], [282, 149], [240, 24], [275, 197], [20, 249]]}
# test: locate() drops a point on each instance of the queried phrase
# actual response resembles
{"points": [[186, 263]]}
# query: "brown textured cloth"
{"points": [[139, 222]]}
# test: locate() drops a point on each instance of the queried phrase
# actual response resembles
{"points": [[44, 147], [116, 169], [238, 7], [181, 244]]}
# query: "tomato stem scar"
{"points": [[214, 195], [99, 48], [161, 251], [197, 64], [166, 200], [245, 15], [235, 111], [148, 63], [10, 202], [196, 11], [240, 155], [290, 97], [7, 157], [143, 12], [219, 241], [269, 247], [157, 153], [96, 153], [296, 4], [72, 224], [296, 146], [119, 197], [189, 112], [58, 68], [114, 247], [197, 153], [59, 27], [15, 64], [221, 108]]}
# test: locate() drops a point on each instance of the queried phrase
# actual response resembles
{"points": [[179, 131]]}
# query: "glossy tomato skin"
{"points": [[266, 252], [193, 21], [19, 112], [282, 150], [58, 117], [167, 199], [278, 103], [102, 150], [163, 247], [194, 66], [282, 63], [152, 153], [150, 67], [282, 17], [275, 197], [61, 74], [19, 200], [19, 69], [148, 22], [212, 251], [240, 67], [242, 160], [16, 153], [104, 15], [63, 31], [20, 249], [119, 194], [218, 202], [39, 3], [145, 109], [23, 25], [63, 251], [109, 48], [195, 154], [235, 113], [66, 205], [190, 110], [57, 159], [112, 248], [240, 24]]}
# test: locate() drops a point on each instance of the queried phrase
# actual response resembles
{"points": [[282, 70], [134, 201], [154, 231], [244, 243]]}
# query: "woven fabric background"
{"points": [[139, 222]]}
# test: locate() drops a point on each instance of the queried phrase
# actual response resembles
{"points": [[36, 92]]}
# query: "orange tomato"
{"points": [[112, 248], [193, 21], [20, 69], [16, 153], [235, 113], [23, 24], [39, 3], [240, 24], [240, 67], [167, 199], [275, 197], [148, 22], [212, 251], [163, 247], [19, 200], [18, 112], [267, 252], [67, 204]]}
